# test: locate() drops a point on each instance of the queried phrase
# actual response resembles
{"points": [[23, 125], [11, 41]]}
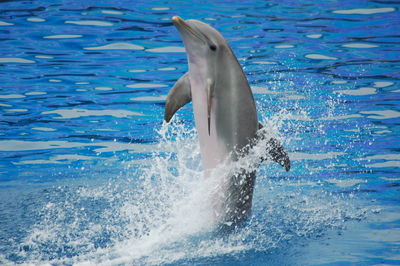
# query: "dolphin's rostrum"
{"points": [[225, 115]]}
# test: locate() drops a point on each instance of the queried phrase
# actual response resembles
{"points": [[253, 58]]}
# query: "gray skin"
{"points": [[225, 115]]}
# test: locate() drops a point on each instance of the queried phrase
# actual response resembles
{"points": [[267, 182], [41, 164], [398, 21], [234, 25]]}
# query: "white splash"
{"points": [[159, 213]]}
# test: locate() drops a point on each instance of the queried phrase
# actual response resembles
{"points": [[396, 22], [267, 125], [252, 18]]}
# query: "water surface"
{"points": [[90, 174]]}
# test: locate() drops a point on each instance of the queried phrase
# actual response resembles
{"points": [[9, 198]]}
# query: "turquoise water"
{"points": [[90, 174]]}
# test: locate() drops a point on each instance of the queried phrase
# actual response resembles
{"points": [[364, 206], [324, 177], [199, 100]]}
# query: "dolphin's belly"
{"points": [[232, 125], [212, 146]]}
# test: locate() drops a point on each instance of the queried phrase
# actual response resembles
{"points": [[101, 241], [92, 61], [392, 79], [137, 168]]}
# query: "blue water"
{"points": [[89, 174]]}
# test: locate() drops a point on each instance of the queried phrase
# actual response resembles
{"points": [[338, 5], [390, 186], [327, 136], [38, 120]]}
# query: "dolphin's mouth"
{"points": [[180, 23]]}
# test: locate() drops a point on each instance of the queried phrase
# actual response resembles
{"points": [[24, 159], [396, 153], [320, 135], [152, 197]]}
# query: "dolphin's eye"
{"points": [[213, 47]]}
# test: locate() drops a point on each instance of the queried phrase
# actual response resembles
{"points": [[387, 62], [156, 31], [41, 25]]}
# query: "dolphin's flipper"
{"points": [[278, 154], [276, 151], [179, 95]]}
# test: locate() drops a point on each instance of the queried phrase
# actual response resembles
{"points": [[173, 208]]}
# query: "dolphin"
{"points": [[225, 115]]}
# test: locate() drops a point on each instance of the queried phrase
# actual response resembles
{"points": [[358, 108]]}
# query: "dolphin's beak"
{"points": [[182, 26], [177, 19]]}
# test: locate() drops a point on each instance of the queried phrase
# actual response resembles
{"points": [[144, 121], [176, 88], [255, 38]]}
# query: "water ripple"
{"points": [[11, 96], [112, 12], [360, 45], [84, 78], [76, 113], [382, 84], [35, 19], [15, 60], [314, 36], [382, 114], [320, 57], [17, 145], [63, 36], [3, 23], [145, 85], [167, 49], [160, 98], [358, 92], [90, 23], [364, 11], [117, 46]]}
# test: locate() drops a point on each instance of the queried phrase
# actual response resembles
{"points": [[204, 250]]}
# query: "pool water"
{"points": [[90, 174]]}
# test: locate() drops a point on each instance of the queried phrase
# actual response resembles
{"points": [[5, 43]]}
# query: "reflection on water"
{"points": [[359, 45], [112, 12], [3, 23], [20, 145], [15, 60], [160, 98], [90, 23], [364, 11], [168, 49], [145, 85], [117, 46], [320, 57], [36, 93], [75, 113], [314, 36], [11, 96], [89, 174], [360, 91], [62, 36], [33, 19]]}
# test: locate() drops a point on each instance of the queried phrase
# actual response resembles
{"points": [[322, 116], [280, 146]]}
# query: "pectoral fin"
{"points": [[276, 152], [179, 95]]}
